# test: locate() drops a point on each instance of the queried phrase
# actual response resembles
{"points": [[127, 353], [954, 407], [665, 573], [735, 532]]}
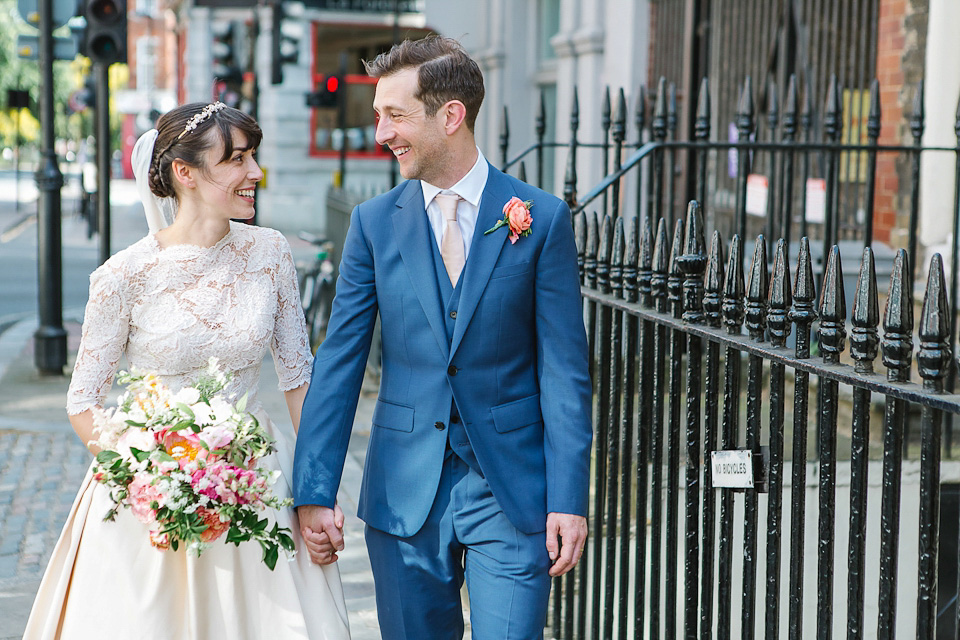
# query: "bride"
{"points": [[198, 286]]}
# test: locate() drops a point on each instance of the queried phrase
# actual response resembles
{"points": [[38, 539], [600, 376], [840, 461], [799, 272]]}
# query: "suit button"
{"points": [[452, 370], [439, 425], [453, 314], [454, 419]]}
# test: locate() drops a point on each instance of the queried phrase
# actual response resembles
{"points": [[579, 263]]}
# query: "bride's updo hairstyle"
{"points": [[187, 132]]}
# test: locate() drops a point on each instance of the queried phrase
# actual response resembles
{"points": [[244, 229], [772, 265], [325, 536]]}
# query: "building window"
{"points": [[339, 48], [549, 12], [146, 62]]}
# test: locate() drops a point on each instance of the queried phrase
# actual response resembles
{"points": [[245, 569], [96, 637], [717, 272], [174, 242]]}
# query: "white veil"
{"points": [[159, 211]]}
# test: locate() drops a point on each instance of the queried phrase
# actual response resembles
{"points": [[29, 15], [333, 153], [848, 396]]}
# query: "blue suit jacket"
{"points": [[516, 365]]}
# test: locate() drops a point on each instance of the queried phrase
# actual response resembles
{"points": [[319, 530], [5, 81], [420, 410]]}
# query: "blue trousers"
{"points": [[466, 536]]}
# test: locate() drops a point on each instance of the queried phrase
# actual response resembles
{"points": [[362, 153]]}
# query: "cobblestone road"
{"points": [[39, 477]]}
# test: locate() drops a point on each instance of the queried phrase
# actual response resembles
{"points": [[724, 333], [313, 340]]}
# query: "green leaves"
{"points": [[106, 456]]}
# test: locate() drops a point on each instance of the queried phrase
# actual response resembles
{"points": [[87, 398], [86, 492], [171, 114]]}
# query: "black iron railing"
{"points": [[659, 314]]}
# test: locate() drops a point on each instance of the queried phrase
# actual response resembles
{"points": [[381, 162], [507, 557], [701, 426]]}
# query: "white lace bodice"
{"points": [[172, 309]]}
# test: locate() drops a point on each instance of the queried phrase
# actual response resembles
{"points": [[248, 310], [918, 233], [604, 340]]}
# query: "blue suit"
{"points": [[509, 360]]}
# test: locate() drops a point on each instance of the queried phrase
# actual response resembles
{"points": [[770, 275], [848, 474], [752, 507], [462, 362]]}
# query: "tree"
{"points": [[16, 72]]}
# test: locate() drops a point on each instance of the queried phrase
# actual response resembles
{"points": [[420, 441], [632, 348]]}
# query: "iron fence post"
{"points": [[863, 348], [897, 349], [832, 336], [933, 360]]}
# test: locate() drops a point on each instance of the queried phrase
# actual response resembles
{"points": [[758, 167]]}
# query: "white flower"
{"points": [[222, 410], [202, 413], [141, 439], [187, 395]]}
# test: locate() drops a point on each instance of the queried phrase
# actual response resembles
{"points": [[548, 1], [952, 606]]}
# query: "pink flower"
{"points": [[518, 217], [141, 497], [160, 540]]}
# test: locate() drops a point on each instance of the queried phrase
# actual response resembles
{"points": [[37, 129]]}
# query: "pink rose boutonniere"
{"points": [[516, 216]]}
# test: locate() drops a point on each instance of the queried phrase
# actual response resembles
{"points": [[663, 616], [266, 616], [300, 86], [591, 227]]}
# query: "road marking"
{"points": [[18, 228]]}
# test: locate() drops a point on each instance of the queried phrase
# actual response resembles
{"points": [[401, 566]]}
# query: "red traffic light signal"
{"points": [[327, 94], [105, 36]]}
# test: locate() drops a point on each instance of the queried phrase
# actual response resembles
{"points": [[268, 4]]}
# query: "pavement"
{"points": [[42, 461]]}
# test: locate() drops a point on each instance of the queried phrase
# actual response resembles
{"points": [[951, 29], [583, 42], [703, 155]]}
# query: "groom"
{"points": [[477, 466]]}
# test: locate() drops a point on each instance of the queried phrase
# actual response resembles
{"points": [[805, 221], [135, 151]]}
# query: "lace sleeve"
{"points": [[103, 340], [290, 346]]}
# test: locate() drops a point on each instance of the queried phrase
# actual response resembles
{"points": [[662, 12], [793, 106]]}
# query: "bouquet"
{"points": [[185, 463]]}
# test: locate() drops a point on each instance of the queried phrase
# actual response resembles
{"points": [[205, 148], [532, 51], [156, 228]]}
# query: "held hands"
{"points": [[566, 536], [322, 532]]}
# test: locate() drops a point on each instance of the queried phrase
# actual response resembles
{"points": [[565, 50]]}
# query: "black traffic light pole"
{"points": [[50, 339], [102, 115]]}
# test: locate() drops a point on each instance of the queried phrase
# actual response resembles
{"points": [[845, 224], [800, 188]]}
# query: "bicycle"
{"points": [[317, 287]]}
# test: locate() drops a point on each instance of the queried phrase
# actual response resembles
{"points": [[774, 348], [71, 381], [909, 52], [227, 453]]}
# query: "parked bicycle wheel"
{"points": [[320, 312], [308, 284]]}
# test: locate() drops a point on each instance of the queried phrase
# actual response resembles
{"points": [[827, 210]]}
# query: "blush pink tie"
{"points": [[451, 246]]}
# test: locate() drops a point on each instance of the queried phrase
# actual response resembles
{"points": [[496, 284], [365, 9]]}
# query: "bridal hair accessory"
{"points": [[207, 111], [158, 211]]}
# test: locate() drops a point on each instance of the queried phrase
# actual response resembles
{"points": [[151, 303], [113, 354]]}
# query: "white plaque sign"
{"points": [[732, 469]]}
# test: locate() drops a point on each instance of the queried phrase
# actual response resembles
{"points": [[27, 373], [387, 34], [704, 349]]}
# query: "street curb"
{"points": [[13, 341]]}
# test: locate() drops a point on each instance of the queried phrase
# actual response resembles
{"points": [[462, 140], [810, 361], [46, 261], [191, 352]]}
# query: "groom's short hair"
{"points": [[445, 72]]}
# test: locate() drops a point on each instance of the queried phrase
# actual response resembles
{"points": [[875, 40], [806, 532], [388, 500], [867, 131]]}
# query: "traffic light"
{"points": [[327, 94], [285, 36], [223, 50], [105, 36]]}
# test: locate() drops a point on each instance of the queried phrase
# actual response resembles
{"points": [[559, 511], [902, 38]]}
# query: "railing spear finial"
{"points": [[692, 263], [864, 339], [757, 284], [659, 123], [804, 311], [833, 310], [897, 344], [580, 237], [661, 262], [934, 355], [790, 109], [616, 260], [713, 284], [733, 289], [701, 126], [645, 264], [779, 298], [630, 256], [504, 138]]}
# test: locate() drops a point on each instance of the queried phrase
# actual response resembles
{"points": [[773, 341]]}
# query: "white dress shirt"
{"points": [[470, 188]]}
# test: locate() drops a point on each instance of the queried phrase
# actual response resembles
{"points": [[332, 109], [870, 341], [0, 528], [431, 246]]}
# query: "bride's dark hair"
{"points": [[190, 147]]}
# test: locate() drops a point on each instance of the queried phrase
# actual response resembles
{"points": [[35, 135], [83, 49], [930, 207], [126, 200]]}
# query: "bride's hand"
{"points": [[322, 532]]}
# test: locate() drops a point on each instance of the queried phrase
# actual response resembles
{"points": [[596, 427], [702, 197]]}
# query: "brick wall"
{"points": [[901, 42]]}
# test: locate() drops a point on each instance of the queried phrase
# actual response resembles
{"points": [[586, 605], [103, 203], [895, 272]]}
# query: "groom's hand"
{"points": [[322, 531], [566, 535]]}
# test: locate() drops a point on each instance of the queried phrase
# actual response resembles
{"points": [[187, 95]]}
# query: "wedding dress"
{"points": [[169, 310]]}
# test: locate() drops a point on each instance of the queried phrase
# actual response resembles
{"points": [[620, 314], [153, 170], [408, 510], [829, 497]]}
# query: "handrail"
{"points": [[604, 184]]}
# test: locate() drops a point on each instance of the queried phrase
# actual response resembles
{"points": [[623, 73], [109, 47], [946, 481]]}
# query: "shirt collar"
{"points": [[470, 187]]}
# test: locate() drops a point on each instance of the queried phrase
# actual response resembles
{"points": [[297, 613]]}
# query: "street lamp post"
{"points": [[50, 339]]}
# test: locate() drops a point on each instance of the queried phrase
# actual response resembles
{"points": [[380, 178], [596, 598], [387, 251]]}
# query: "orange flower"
{"points": [[160, 540], [516, 217], [215, 528]]}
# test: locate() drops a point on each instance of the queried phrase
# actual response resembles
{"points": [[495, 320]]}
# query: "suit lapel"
{"points": [[484, 251], [413, 235]]}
